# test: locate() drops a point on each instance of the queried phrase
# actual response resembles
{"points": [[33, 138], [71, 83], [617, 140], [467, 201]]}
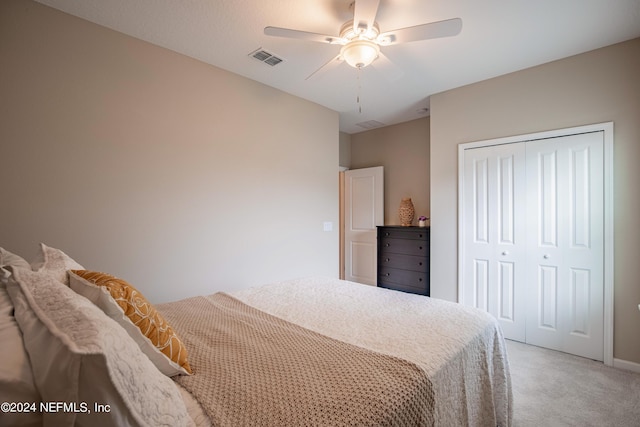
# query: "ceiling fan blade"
{"points": [[302, 35], [433, 30], [333, 63], [387, 68], [364, 14]]}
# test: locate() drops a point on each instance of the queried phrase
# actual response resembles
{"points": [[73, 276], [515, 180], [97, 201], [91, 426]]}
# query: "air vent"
{"points": [[266, 57], [370, 124]]}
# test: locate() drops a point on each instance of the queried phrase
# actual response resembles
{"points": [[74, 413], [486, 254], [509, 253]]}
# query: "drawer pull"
{"points": [[420, 263], [388, 244], [386, 260], [420, 247]]}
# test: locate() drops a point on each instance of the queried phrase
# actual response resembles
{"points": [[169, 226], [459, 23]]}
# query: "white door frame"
{"points": [[607, 129]]}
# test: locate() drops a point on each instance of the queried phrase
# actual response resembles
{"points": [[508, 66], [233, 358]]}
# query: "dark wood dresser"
{"points": [[403, 259]]}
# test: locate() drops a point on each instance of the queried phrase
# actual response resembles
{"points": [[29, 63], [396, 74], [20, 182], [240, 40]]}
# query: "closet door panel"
{"points": [[494, 240], [565, 196]]}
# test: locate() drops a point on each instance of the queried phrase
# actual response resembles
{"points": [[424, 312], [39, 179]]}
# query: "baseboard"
{"points": [[625, 364]]}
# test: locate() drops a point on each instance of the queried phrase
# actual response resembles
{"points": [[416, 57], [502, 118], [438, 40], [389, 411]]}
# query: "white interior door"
{"points": [[565, 247], [534, 237], [364, 210]]}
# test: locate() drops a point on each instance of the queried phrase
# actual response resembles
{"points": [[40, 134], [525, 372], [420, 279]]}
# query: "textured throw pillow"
{"points": [[81, 358], [55, 262], [126, 305]]}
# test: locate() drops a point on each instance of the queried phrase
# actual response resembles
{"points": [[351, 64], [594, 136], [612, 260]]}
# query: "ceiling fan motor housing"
{"points": [[348, 32]]}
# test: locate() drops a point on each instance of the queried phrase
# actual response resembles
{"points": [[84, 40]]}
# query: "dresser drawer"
{"points": [[405, 288], [404, 262], [403, 280], [413, 279], [404, 246], [408, 233]]}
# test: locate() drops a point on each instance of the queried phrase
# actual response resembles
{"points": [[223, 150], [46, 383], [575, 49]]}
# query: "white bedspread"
{"points": [[461, 349]]}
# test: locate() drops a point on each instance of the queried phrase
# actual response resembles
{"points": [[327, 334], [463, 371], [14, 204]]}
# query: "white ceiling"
{"points": [[498, 37]]}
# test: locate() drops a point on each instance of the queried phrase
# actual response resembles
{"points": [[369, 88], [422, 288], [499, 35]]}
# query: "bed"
{"points": [[310, 351]]}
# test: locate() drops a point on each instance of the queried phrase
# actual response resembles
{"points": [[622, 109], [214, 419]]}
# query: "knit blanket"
{"points": [[252, 368], [461, 349]]}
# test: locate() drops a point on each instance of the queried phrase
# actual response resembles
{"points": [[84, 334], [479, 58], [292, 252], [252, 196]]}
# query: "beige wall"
{"points": [[594, 87], [345, 150], [403, 150], [180, 177]]}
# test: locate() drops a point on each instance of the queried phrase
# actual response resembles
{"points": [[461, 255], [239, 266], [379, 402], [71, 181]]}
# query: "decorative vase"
{"points": [[406, 212]]}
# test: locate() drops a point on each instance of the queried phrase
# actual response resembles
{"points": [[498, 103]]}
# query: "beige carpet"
{"points": [[556, 389]]}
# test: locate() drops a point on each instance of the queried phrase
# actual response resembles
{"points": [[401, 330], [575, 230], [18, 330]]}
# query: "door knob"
{"points": [[505, 253], [546, 256]]}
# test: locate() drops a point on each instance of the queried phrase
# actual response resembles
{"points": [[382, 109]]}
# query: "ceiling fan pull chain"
{"points": [[359, 90]]}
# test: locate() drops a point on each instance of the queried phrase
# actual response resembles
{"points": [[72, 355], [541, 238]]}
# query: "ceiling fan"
{"points": [[361, 38]]}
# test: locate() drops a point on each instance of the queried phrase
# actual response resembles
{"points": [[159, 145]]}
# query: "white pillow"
{"points": [[12, 260], [16, 379], [55, 262], [81, 356], [8, 259]]}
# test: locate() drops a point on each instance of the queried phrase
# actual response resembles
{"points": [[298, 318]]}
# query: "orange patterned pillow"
{"points": [[125, 304]]}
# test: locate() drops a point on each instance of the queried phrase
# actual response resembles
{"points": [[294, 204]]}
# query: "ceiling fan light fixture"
{"points": [[360, 53]]}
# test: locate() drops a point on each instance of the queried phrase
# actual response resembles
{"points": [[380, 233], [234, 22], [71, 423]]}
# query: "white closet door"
{"points": [[565, 244], [532, 239], [494, 234]]}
